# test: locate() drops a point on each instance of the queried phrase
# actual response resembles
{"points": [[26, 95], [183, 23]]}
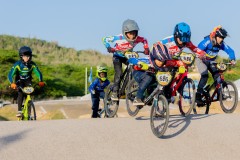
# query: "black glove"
{"points": [[110, 50]]}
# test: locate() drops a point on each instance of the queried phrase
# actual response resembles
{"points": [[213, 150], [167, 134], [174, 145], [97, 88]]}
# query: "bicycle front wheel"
{"points": [[187, 97], [130, 96], [159, 116], [31, 111], [228, 97], [111, 107]]}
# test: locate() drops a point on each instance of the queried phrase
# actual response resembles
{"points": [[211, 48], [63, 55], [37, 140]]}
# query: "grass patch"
{"points": [[53, 115], [7, 114]]}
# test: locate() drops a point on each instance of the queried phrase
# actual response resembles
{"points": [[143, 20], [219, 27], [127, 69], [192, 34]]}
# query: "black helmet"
{"points": [[128, 26], [25, 50], [222, 33]]}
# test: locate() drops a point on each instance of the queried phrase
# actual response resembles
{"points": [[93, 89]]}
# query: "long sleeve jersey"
{"points": [[23, 71], [121, 45], [98, 86], [212, 51], [173, 49]]}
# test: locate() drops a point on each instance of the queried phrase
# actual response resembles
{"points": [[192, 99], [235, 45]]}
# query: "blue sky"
{"points": [[81, 24]]}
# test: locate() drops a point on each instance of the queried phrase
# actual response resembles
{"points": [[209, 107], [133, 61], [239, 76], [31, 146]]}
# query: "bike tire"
{"points": [[225, 103], [31, 111], [111, 107], [159, 116], [187, 97], [130, 96]]}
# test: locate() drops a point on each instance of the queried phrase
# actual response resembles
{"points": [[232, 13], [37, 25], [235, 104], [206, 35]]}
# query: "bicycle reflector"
{"points": [[221, 66], [28, 90], [164, 78], [187, 58]]}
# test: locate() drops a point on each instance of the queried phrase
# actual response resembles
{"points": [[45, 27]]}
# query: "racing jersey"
{"points": [[121, 45], [98, 86], [174, 50], [212, 50], [24, 71]]}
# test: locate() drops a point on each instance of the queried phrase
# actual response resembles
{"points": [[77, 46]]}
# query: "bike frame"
{"points": [[124, 77], [179, 78], [157, 90], [25, 107], [216, 88], [124, 80]]}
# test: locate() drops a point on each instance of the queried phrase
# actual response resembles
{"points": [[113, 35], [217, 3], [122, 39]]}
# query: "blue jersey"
{"points": [[212, 51], [98, 85]]}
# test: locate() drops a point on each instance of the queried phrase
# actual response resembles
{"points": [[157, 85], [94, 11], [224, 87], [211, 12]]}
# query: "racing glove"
{"points": [[233, 62], [41, 84], [202, 55], [93, 92], [110, 50], [13, 86], [143, 66], [146, 51]]}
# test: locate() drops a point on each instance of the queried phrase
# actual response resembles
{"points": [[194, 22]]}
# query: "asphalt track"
{"points": [[208, 137]]}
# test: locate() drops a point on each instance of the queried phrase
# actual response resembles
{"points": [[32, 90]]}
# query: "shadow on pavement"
{"points": [[178, 120], [9, 139]]}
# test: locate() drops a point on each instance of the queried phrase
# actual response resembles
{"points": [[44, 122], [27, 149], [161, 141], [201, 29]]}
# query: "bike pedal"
{"points": [[139, 107]]}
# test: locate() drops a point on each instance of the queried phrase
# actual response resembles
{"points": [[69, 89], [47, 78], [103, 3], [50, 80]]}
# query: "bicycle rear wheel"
{"points": [[130, 96], [31, 111], [229, 97], [111, 107], [159, 116], [187, 97]]}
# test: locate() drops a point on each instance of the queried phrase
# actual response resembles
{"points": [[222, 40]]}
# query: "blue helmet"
{"points": [[183, 32]]}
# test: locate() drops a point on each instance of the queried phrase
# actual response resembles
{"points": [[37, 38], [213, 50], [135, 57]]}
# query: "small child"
{"points": [[97, 89], [123, 43], [22, 71]]}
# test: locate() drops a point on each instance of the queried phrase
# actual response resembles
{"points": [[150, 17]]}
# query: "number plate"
{"points": [[221, 66], [163, 78], [187, 58], [131, 55], [28, 90]]}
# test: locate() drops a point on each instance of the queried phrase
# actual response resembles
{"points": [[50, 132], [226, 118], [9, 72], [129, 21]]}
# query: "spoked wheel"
{"points": [[204, 108], [111, 107], [130, 96], [159, 116], [187, 97], [229, 97], [31, 111]]}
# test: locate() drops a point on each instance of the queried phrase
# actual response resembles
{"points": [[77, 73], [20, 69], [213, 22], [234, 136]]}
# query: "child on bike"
{"points": [[22, 71], [97, 89], [212, 44], [123, 43], [163, 53]]}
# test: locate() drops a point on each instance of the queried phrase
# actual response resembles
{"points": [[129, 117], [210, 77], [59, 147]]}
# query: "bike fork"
{"points": [[25, 108]]}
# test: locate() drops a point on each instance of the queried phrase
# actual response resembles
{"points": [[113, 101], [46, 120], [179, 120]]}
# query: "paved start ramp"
{"points": [[200, 137]]}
